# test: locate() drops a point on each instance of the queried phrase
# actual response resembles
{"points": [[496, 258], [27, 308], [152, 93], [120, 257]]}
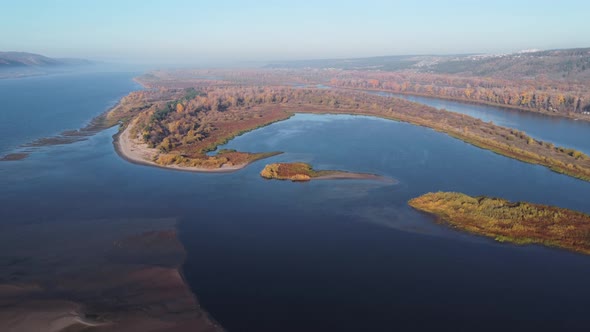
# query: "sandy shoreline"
{"points": [[134, 151]]}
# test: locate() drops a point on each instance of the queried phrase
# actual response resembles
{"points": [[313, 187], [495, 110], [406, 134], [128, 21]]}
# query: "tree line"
{"points": [[541, 95]]}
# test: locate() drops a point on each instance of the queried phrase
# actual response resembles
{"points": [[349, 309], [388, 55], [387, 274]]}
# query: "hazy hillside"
{"points": [[388, 63], [23, 59], [569, 64]]}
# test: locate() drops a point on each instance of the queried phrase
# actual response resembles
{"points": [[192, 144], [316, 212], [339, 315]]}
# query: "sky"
{"points": [[178, 31]]}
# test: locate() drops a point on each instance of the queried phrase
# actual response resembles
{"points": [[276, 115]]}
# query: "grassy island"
{"points": [[301, 172], [520, 222]]}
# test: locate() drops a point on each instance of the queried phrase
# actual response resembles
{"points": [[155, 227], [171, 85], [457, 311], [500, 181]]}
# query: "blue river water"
{"points": [[561, 131], [328, 255], [42, 106]]}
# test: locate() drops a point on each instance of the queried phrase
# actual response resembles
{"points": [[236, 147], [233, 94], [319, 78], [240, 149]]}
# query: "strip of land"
{"points": [[520, 222], [186, 124]]}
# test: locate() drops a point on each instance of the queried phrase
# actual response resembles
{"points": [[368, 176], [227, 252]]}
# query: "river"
{"points": [[320, 256]]}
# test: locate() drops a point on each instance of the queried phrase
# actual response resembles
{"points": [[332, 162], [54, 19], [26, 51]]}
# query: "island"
{"points": [[520, 222], [302, 172]]}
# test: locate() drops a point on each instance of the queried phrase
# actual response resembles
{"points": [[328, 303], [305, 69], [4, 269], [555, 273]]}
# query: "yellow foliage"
{"points": [[519, 222], [167, 159], [291, 171], [270, 171]]}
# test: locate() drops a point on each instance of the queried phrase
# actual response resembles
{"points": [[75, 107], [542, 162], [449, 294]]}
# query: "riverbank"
{"points": [[504, 221], [575, 116]]}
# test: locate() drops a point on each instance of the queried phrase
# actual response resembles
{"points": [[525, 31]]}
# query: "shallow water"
{"points": [[327, 255], [42, 106]]}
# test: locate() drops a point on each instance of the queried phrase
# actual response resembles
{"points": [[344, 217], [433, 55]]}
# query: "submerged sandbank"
{"points": [[98, 275]]}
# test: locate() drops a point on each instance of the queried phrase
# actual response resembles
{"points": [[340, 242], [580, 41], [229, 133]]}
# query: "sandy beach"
{"points": [[137, 152]]}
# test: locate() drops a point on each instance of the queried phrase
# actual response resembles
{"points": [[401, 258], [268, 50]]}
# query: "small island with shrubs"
{"points": [[302, 172], [520, 222]]}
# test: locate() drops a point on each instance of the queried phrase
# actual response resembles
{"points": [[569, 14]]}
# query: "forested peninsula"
{"points": [[177, 127]]}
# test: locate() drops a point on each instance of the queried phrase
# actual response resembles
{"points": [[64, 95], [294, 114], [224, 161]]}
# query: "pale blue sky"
{"points": [[230, 30]]}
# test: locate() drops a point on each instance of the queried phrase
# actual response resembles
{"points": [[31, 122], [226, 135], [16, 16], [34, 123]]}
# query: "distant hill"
{"points": [[567, 64], [570, 64], [387, 63], [23, 59]]}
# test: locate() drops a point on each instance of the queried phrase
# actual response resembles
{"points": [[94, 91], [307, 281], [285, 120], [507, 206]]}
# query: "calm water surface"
{"points": [[325, 255], [36, 107], [561, 131]]}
